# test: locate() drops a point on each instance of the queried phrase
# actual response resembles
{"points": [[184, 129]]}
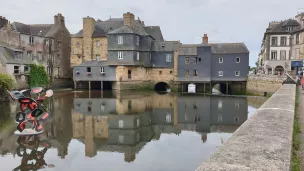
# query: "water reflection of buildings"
{"points": [[125, 124]]}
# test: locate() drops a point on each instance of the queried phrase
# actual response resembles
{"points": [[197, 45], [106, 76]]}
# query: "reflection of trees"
{"points": [[5, 113]]}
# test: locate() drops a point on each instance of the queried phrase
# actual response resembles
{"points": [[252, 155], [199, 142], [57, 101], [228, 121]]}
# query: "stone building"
{"points": [[47, 44], [283, 46], [121, 53], [124, 53]]}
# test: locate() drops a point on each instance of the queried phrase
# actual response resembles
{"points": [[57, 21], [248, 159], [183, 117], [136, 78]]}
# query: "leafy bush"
{"points": [[38, 76], [6, 81]]}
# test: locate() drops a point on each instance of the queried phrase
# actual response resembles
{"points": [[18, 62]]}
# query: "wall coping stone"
{"points": [[263, 142]]}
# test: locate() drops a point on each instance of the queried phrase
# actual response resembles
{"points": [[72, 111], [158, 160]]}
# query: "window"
{"points": [[237, 73], [199, 59], [77, 45], [31, 40], [120, 55], [237, 59], [171, 72], [220, 118], [120, 40], [79, 57], [221, 73], [160, 72], [168, 118], [16, 69], [274, 41], [221, 60], [137, 56], [187, 60], [186, 73], [137, 40], [297, 53], [102, 108], [101, 69], [220, 104], [129, 74], [40, 56], [121, 123], [195, 73], [88, 69], [29, 54], [97, 57], [195, 60], [283, 54], [237, 105], [137, 122], [26, 68], [297, 38], [168, 57], [283, 41], [129, 104], [97, 43], [273, 55]]}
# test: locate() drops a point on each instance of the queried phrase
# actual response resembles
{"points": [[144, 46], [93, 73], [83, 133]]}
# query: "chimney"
{"points": [[205, 39], [88, 26], [59, 19], [3, 22], [128, 19]]}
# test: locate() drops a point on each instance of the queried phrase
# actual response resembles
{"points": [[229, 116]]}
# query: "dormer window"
{"points": [[120, 40]]}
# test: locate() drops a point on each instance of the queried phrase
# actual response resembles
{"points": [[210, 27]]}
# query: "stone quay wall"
{"points": [[264, 141], [264, 83]]}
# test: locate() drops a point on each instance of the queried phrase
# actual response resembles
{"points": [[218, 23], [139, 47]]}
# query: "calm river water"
{"points": [[126, 131]]}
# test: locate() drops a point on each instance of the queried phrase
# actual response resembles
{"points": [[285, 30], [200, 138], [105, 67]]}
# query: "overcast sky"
{"points": [[184, 20]]}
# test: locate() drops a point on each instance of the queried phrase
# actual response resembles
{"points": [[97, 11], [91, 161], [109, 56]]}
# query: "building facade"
{"points": [[123, 53], [282, 47], [47, 44]]}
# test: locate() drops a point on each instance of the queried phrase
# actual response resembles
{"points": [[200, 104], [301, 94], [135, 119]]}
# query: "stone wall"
{"points": [[264, 141], [264, 83], [102, 49], [76, 52]]}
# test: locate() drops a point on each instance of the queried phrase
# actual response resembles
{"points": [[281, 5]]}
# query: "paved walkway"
{"points": [[301, 115]]}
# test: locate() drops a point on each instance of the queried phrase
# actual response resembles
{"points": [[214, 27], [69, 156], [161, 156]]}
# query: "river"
{"points": [[128, 130]]}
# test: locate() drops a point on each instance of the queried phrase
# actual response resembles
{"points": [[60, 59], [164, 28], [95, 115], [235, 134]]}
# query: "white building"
{"points": [[280, 52]]}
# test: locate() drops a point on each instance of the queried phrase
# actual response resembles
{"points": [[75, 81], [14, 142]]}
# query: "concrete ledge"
{"points": [[263, 142]]}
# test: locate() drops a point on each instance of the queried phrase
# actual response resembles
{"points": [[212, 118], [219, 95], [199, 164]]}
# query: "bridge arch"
{"points": [[161, 86]]}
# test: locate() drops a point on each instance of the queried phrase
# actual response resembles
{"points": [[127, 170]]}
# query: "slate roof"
{"points": [[224, 48], [188, 49], [123, 29], [216, 48], [116, 25], [280, 27], [7, 54], [155, 32], [43, 30], [166, 46]]}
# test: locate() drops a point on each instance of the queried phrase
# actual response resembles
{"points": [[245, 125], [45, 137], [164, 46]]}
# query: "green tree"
{"points": [[7, 82], [38, 76]]}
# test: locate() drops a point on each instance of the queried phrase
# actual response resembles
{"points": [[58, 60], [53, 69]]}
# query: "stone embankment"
{"points": [[264, 83], [264, 141]]}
